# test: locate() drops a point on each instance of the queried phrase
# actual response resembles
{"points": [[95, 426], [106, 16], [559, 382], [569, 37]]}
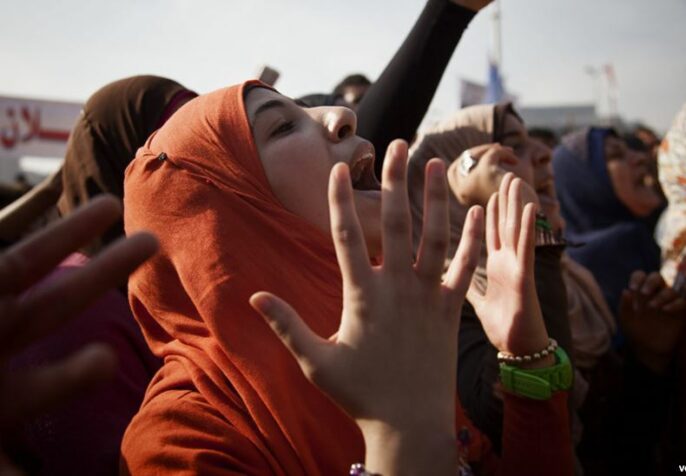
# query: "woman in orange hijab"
{"points": [[234, 185]]}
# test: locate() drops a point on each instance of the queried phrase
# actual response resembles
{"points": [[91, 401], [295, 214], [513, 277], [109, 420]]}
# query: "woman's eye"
{"points": [[283, 128], [516, 146]]}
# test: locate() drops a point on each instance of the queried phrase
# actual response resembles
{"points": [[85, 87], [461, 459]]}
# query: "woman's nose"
{"points": [[340, 123], [542, 155]]}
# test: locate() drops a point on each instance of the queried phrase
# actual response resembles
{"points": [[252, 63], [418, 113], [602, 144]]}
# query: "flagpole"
{"points": [[497, 34], [597, 87], [612, 93]]}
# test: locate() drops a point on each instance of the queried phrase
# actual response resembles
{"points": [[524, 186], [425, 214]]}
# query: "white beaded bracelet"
{"points": [[507, 358]]}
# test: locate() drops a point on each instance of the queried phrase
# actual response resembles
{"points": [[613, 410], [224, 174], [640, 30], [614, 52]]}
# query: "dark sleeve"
{"points": [[478, 370], [398, 100], [477, 373]]}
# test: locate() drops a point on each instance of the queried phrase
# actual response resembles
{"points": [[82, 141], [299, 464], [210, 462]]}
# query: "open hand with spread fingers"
{"points": [[25, 318], [392, 364], [509, 310]]}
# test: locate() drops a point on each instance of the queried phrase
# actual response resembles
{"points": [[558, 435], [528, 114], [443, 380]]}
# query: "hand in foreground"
{"points": [[474, 5], [492, 163], [509, 311], [652, 316], [392, 364], [23, 319]]}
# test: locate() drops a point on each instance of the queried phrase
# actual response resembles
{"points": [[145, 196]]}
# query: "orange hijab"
{"points": [[199, 185]]}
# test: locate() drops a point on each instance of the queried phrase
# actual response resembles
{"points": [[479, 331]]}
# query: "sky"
{"points": [[68, 49]]}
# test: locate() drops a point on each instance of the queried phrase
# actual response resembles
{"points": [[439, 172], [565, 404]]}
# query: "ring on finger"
{"points": [[467, 163]]}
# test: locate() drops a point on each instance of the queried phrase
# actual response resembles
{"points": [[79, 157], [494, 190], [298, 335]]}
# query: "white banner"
{"points": [[37, 128]]}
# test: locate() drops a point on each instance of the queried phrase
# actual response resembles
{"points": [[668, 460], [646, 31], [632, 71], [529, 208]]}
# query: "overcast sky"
{"points": [[67, 49]]}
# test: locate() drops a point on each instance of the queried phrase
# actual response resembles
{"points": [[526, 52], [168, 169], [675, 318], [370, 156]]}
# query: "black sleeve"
{"points": [[477, 368], [477, 373], [396, 103]]}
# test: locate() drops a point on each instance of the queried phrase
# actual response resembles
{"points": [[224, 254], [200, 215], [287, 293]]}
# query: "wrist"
{"points": [[541, 383], [529, 357], [547, 361], [531, 345], [410, 449], [467, 5], [546, 235]]}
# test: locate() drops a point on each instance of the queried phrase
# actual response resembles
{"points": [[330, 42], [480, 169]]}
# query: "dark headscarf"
{"points": [[614, 242], [113, 124]]}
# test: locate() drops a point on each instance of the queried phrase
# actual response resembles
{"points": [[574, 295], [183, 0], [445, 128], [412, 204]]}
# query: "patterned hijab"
{"points": [[671, 232]]}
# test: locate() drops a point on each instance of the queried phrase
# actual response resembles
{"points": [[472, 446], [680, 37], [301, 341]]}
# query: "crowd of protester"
{"points": [[243, 283]]}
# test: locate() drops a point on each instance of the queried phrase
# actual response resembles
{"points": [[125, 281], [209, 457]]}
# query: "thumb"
{"points": [[481, 150], [501, 155], [475, 297], [306, 346]]}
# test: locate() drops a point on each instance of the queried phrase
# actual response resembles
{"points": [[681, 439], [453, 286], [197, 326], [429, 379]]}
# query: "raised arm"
{"points": [[478, 373], [535, 413], [397, 101]]}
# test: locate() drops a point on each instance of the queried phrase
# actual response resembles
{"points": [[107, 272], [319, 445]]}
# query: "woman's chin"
{"points": [[646, 201]]}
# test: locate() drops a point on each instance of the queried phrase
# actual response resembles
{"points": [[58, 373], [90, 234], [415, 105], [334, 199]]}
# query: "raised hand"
{"points": [[652, 316], [475, 187], [396, 348], [475, 5], [509, 310], [25, 318]]}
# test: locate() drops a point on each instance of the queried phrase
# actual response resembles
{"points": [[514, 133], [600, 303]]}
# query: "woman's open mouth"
{"points": [[362, 168], [645, 180]]}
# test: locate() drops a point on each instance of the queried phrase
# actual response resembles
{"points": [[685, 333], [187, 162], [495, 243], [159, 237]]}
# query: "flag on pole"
{"points": [[472, 93], [495, 91]]}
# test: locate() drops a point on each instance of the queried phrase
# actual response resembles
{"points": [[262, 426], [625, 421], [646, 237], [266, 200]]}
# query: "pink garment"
{"points": [[84, 435]]}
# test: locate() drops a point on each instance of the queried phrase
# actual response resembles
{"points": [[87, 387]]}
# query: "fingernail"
{"points": [[261, 302], [438, 170], [342, 172]]}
